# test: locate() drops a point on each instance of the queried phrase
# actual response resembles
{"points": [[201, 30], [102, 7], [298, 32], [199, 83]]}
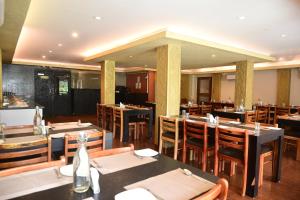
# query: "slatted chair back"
{"points": [[94, 143], [250, 116], [262, 116], [100, 115], [218, 192], [113, 151], [194, 110], [206, 109], [283, 111], [168, 124], [25, 153], [195, 129]]}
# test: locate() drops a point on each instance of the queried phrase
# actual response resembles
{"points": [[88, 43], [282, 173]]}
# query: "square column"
{"points": [[244, 84], [283, 86], [168, 75], [185, 87], [216, 87], [108, 82], [1, 86]]}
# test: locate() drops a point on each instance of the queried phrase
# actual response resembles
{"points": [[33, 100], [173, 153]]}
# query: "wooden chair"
{"points": [[100, 115], [95, 142], [218, 192], [261, 116], [194, 110], [25, 153], [118, 122], [250, 116], [108, 118], [31, 167], [169, 132], [232, 144], [270, 113], [113, 151], [205, 109], [195, 138]]}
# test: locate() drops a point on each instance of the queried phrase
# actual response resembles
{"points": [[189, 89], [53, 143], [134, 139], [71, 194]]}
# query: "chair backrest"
{"points": [[232, 138], [43, 165], [205, 109], [95, 142], [218, 192], [25, 152], [195, 129], [118, 115], [170, 125], [194, 110], [283, 111], [261, 116], [250, 116], [100, 115], [113, 151]]}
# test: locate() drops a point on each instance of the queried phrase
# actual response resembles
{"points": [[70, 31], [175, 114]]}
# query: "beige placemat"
{"points": [[18, 130], [174, 185], [30, 182], [114, 163], [61, 135], [23, 139], [68, 125]]}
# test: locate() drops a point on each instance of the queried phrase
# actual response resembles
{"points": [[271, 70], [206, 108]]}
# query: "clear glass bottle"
{"points": [[37, 121], [2, 136], [81, 166]]}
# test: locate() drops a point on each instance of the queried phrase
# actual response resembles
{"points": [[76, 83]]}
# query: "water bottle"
{"points": [[2, 136], [37, 121], [81, 166]]}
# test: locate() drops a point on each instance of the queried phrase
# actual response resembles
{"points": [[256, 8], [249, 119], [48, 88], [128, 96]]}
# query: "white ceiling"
{"points": [[50, 22]]}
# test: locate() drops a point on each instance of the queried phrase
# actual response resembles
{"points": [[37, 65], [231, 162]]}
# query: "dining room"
{"points": [[149, 99]]}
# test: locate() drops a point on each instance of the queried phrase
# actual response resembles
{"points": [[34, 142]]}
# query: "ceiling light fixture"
{"points": [[43, 56], [213, 55], [97, 18], [60, 44], [283, 35], [50, 51], [75, 35], [130, 56], [242, 17]]}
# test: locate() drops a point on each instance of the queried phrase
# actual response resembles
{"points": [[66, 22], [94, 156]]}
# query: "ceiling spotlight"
{"points": [[283, 35], [242, 17], [60, 44], [146, 65], [280, 59], [213, 55], [50, 51], [43, 56], [97, 18], [130, 56], [74, 35]]}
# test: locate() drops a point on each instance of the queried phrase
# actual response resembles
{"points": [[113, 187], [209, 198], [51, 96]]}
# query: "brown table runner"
{"points": [[68, 125], [18, 130], [29, 182], [114, 163], [174, 185], [61, 135]]}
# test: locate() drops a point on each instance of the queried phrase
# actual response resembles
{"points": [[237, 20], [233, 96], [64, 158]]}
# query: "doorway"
{"points": [[204, 85]]}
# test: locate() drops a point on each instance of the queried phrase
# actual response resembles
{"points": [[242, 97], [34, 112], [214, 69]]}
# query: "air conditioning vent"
{"points": [[230, 77]]}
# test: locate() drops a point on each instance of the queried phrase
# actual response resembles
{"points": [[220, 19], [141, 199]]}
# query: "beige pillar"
{"points": [[283, 86], [108, 82], [167, 82], [216, 87], [244, 84], [1, 86], [185, 87]]}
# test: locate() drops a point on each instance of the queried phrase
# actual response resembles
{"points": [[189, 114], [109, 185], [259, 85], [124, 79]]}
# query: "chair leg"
{"points": [[114, 131], [232, 168], [175, 150], [244, 180], [261, 171], [216, 165], [184, 154], [160, 146], [204, 158]]}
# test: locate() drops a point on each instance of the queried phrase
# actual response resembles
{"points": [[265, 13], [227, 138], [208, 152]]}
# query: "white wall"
{"points": [[265, 86], [227, 89], [120, 79], [295, 87]]}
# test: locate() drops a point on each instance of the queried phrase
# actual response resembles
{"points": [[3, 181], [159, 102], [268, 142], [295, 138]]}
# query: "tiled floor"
{"points": [[288, 188]]}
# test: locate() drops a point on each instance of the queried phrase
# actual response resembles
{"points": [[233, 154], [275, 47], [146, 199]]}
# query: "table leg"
{"points": [[253, 166], [150, 123], [276, 172]]}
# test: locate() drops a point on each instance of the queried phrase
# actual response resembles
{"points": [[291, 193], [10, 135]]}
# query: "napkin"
{"points": [[122, 105], [95, 180]]}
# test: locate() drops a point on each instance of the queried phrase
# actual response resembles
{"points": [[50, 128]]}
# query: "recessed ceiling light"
{"points": [[242, 17], [97, 18], [43, 56], [75, 35], [213, 55], [130, 56], [146, 65], [50, 51], [280, 59], [283, 35], [60, 44]]}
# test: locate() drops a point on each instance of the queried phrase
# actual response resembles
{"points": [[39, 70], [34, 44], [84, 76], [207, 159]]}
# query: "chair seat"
{"points": [[231, 152], [171, 135], [197, 142]]}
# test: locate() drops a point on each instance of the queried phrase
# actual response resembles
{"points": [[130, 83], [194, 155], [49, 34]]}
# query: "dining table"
{"points": [[230, 113], [266, 135], [118, 181]]}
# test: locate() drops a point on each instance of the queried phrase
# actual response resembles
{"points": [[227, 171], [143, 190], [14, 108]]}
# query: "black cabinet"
{"points": [[85, 101]]}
